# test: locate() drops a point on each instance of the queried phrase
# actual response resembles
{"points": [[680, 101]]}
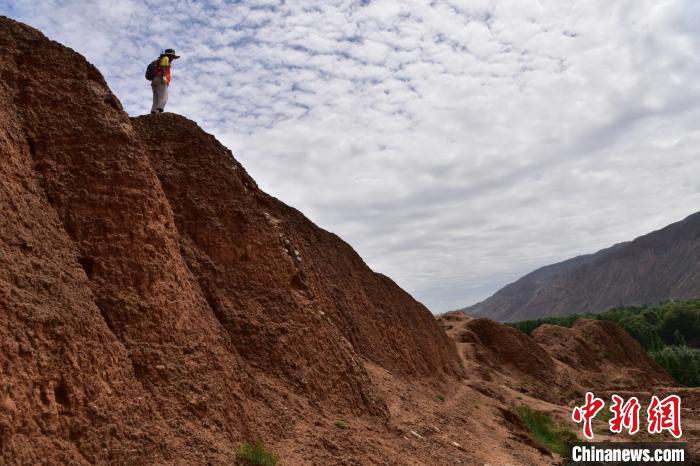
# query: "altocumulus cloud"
{"points": [[454, 144]]}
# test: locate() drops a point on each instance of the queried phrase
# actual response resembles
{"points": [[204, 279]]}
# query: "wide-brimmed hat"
{"points": [[170, 53]]}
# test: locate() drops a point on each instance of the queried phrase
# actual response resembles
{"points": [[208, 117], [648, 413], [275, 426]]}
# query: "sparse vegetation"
{"points": [[545, 430], [600, 422], [256, 454], [669, 332], [341, 424], [440, 397]]}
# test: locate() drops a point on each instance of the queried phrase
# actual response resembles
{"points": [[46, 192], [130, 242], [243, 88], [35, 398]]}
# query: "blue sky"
{"points": [[456, 145]]}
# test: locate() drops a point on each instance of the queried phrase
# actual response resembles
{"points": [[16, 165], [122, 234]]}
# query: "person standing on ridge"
{"points": [[158, 72]]}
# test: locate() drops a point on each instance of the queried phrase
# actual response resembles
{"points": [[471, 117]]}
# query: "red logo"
{"points": [[587, 412], [625, 415], [661, 415], [665, 415]]}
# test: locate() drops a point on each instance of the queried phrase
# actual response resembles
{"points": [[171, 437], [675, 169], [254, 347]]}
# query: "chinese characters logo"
{"points": [[662, 415]]}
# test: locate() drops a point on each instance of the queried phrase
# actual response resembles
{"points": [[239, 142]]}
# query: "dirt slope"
{"points": [[601, 349], [249, 252], [550, 372], [157, 308], [151, 311], [555, 363]]}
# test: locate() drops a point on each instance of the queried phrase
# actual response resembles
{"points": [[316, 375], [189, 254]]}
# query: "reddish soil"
{"points": [[156, 307], [592, 355]]}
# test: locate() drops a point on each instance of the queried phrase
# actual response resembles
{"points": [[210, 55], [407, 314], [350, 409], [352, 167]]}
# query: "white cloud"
{"points": [[456, 145]]}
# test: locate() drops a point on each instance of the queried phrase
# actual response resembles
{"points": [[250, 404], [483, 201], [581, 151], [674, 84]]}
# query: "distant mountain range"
{"points": [[661, 265]]}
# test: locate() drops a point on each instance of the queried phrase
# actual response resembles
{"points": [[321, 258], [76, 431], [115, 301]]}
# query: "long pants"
{"points": [[160, 94]]}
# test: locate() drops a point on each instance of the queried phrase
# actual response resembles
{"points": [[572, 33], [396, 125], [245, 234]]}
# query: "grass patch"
{"points": [[341, 424], [604, 415], [543, 429], [600, 422], [256, 454]]}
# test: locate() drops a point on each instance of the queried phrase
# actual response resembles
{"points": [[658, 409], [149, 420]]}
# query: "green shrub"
{"points": [[543, 429], [680, 324], [640, 329], [440, 397], [682, 362], [256, 455], [340, 424]]}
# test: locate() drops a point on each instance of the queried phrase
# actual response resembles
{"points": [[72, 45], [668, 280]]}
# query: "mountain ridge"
{"points": [[655, 267]]}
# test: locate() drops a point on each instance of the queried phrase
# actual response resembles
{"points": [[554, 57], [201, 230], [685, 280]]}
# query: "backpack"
{"points": [[151, 70]]}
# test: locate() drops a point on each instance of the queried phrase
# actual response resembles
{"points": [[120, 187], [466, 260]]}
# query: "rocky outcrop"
{"points": [[157, 307], [555, 363], [601, 348], [268, 272], [656, 267], [500, 347]]}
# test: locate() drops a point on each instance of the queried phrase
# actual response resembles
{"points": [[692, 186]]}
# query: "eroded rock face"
{"points": [[555, 363], [500, 346], [68, 377], [155, 305], [602, 347], [269, 272]]}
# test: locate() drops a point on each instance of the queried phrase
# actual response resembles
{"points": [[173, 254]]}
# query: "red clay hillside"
{"points": [[156, 307]]}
